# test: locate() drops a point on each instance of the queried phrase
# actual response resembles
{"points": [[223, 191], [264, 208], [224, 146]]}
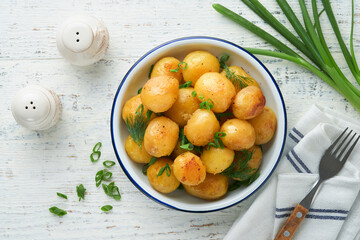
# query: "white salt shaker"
{"points": [[36, 108], [82, 40]]}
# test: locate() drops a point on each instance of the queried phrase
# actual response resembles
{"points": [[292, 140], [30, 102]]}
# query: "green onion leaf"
{"points": [[139, 90], [193, 93], [150, 71], [106, 208], [146, 166], [175, 70], [80, 192], [112, 190], [185, 85], [165, 168], [57, 211], [183, 65], [96, 154], [108, 163], [61, 195]]}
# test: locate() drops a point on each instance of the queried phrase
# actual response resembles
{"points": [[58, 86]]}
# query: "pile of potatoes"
{"points": [[174, 108]]}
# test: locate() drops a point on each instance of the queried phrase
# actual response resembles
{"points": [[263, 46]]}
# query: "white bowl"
{"points": [[136, 78]]}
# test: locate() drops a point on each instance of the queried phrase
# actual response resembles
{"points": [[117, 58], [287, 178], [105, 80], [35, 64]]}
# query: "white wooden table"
{"points": [[36, 165]]}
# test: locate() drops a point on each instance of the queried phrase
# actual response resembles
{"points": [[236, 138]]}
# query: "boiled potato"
{"points": [[213, 187], [167, 181], [264, 125], [248, 103], [161, 136], [131, 106], [243, 75], [254, 163], [216, 87], [184, 107], [201, 127], [198, 63], [239, 134], [136, 153], [217, 160], [163, 67], [160, 93], [189, 169]]}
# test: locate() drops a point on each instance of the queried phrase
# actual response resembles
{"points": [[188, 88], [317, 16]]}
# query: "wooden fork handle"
{"points": [[292, 223]]}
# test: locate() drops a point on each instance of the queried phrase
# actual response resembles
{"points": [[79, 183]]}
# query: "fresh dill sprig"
{"points": [[137, 124], [238, 80], [239, 168]]}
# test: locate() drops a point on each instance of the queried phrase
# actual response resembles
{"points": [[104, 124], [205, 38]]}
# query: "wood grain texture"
{"points": [[36, 165]]}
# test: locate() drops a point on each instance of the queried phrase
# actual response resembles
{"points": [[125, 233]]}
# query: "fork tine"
{"points": [[344, 149], [336, 141], [340, 144], [350, 150]]}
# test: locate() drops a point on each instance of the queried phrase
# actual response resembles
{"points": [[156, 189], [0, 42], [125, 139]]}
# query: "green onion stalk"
{"points": [[309, 40]]}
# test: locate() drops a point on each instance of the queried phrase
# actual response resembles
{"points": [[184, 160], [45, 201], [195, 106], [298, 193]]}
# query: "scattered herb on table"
{"points": [[106, 208], [108, 163], [310, 41], [57, 211], [96, 154], [102, 175], [112, 190], [81, 192], [61, 195]]}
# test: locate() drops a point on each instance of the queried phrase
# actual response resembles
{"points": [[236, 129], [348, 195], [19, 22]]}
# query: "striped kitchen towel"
{"points": [[335, 212]]}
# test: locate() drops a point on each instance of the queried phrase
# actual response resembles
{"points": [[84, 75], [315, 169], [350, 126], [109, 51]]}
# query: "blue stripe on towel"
{"points": [[293, 163], [300, 161], [314, 217], [315, 210], [293, 138], [298, 132]]}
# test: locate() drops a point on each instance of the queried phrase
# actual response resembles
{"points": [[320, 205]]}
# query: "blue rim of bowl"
{"points": [[116, 98]]}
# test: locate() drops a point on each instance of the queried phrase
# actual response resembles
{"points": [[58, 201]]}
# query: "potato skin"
{"points": [[218, 88], [250, 81], [137, 154], [131, 106], [217, 160], [201, 127], [264, 125], [255, 161], [240, 134], [160, 93], [163, 67], [198, 63], [181, 111], [248, 103], [213, 187], [162, 183], [189, 169], [161, 136]]}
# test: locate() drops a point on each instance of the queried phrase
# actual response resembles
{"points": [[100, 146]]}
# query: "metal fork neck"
{"points": [[306, 202]]}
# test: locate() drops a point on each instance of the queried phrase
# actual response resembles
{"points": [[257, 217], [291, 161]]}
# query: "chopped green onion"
{"points": [[208, 104], [61, 195], [139, 90], [165, 168], [102, 175], [146, 166], [179, 67], [112, 190], [193, 93], [108, 163], [96, 154], [106, 208], [150, 71], [185, 85], [80, 192], [57, 211]]}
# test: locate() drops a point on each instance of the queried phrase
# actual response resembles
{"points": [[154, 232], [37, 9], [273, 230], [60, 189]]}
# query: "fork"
{"points": [[330, 164]]}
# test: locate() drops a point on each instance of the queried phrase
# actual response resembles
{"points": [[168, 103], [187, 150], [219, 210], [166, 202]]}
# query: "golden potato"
{"points": [[243, 75], [161, 136], [131, 106], [264, 125], [189, 169], [216, 87], [160, 93], [213, 187], [198, 63], [253, 164], [201, 127], [184, 107], [239, 134], [136, 153], [163, 67], [217, 160], [167, 181], [248, 103]]}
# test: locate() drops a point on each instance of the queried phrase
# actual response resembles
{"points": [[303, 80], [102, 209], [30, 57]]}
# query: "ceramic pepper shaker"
{"points": [[36, 108], [82, 40]]}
